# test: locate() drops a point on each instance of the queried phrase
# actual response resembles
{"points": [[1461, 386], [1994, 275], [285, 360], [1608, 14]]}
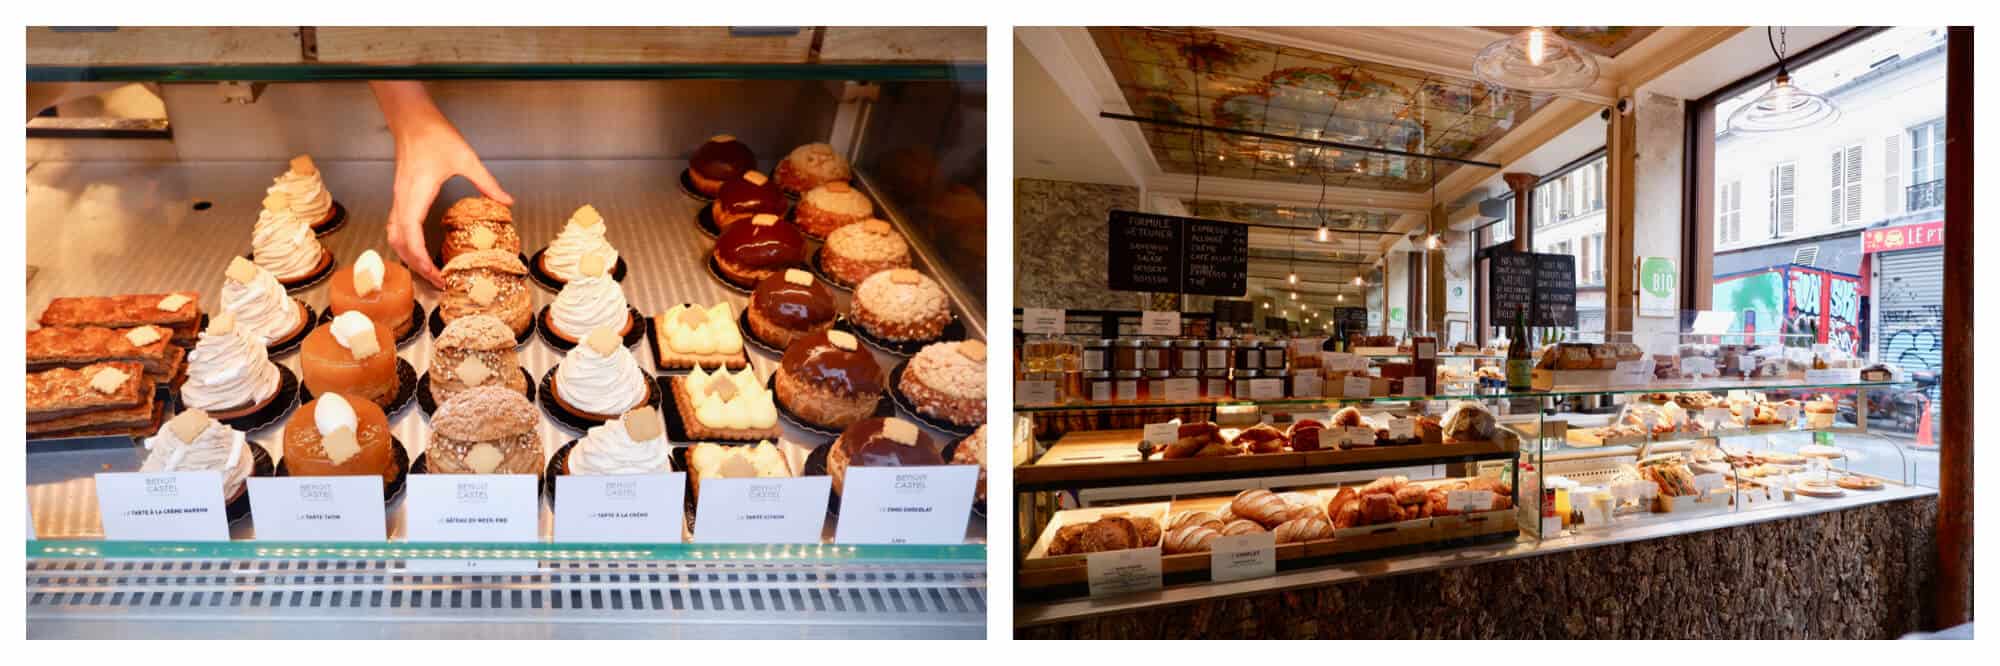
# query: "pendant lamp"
{"points": [[1785, 106], [1535, 60]]}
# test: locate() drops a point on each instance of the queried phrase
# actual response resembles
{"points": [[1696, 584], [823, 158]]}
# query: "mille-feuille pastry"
{"points": [[376, 288], [758, 249], [710, 461], [259, 303], [101, 397], [856, 251], [284, 244], [474, 351], [195, 442], [485, 430], [149, 346], [719, 160], [589, 302], [788, 306], [635, 443], [473, 224], [901, 305], [334, 436], [599, 379], [179, 312], [726, 405], [746, 197], [230, 373], [828, 380], [947, 381], [302, 185], [582, 235], [810, 166], [972, 451], [491, 282], [686, 336], [831, 206], [879, 442], [351, 356]]}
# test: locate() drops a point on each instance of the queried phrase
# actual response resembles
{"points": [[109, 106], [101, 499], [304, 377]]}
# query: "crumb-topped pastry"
{"points": [[582, 235], [372, 287], [947, 381], [301, 184], [473, 224], [746, 197], [485, 430], [258, 302], [635, 443], [66, 347], [93, 395], [195, 442], [972, 451], [831, 206], [686, 336], [491, 282], [719, 160], [879, 442], [708, 460], [590, 301], [334, 436], [789, 305], [474, 351], [810, 166], [901, 305], [726, 405], [229, 372], [758, 249], [352, 356], [856, 251], [827, 379], [599, 379], [283, 244]]}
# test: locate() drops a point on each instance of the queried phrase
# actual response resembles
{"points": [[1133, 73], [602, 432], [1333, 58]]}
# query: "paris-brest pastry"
{"points": [[489, 282]]}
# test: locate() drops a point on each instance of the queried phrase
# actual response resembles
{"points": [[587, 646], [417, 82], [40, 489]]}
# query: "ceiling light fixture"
{"points": [[1535, 60], [1295, 295], [1785, 106]]}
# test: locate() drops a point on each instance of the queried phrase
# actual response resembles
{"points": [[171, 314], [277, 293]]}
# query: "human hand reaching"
{"points": [[429, 151]]}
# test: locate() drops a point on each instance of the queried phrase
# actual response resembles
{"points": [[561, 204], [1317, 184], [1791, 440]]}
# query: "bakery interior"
{"points": [[740, 254], [1473, 332]]}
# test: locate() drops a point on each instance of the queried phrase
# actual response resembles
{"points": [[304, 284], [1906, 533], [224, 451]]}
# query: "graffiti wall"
{"points": [[1827, 306]]}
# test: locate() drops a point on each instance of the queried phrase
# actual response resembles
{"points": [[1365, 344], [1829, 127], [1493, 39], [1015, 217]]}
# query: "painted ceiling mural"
{"points": [[1607, 41], [1201, 77], [1303, 217]]}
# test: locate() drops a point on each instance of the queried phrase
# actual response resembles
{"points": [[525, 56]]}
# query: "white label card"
{"points": [[1356, 386], [472, 507], [1162, 434], [165, 506], [1343, 361], [1182, 389], [1469, 501], [1413, 386], [1243, 556], [1357, 435], [1402, 428], [1716, 415], [1043, 321], [1267, 388], [1123, 571], [762, 510], [1833, 376], [1035, 392], [1307, 384], [1159, 322], [906, 505], [1426, 351], [1697, 365], [1707, 483], [629, 508], [1630, 373], [1787, 413], [319, 508]]}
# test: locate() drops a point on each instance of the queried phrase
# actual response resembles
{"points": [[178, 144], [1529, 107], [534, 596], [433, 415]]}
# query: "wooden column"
{"points": [[1954, 526], [1523, 185], [1434, 277], [1621, 293]]}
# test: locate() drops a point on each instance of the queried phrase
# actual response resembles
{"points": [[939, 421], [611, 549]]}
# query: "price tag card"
{"points": [[1243, 556], [1159, 322], [1123, 571], [1402, 428], [1833, 376], [1162, 434], [1413, 386], [1267, 388], [1707, 483], [472, 507], [906, 505], [1787, 413], [629, 508], [1356, 386], [1352, 436], [1330, 438], [762, 510], [1183, 389], [1307, 384], [1716, 415], [1035, 392], [1043, 321], [1697, 366], [1128, 389], [1469, 501], [1631, 373], [164, 506], [1426, 350], [319, 508], [1342, 361]]}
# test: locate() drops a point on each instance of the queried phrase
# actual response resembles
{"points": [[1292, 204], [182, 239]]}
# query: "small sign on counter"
{"points": [[1469, 501], [630, 508], [1183, 389], [1307, 384], [1044, 321], [1160, 322], [1123, 571], [1267, 388], [906, 505], [163, 506], [762, 510], [472, 507], [1356, 386], [1162, 434], [1243, 556], [1633, 373], [1035, 392], [1413, 386], [318, 508]]}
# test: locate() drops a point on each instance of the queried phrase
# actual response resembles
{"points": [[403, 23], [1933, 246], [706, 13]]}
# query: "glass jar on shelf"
{"points": [[1128, 386], [1096, 354], [1187, 355], [1098, 386], [1127, 355]]}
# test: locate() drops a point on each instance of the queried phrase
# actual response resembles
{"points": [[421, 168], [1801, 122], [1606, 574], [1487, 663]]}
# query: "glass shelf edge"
{"points": [[1500, 395], [829, 553], [358, 72]]}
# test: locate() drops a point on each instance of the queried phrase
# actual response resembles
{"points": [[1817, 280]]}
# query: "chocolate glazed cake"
{"points": [[827, 379], [789, 305]]}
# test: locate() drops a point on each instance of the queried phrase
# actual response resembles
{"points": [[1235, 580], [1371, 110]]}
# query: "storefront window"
{"points": [[1569, 219]]}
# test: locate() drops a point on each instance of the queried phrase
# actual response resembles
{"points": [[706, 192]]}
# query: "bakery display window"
{"points": [[699, 291]]}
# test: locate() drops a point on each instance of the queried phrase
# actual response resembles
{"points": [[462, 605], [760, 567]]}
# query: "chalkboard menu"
{"points": [[1555, 290], [1164, 253], [1235, 312], [1352, 320], [1543, 286]]}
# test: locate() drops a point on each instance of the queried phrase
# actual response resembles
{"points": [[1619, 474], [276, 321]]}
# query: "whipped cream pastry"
{"points": [[228, 368], [732, 401], [259, 302], [302, 185], [583, 234], [282, 243], [601, 382], [693, 330], [218, 448], [587, 303], [613, 448]]}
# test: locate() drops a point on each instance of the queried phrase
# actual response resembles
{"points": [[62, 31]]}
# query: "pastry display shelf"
{"points": [[525, 71], [1110, 458], [1660, 386]]}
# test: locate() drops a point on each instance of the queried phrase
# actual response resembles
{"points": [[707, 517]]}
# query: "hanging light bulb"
{"points": [[1535, 60], [1292, 278], [1435, 242], [1267, 305], [1324, 235], [1340, 298], [1358, 282], [1295, 295], [1785, 106]]}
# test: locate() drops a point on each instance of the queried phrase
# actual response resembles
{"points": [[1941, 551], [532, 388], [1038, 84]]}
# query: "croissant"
{"points": [[1342, 499], [1387, 484], [1190, 539], [1260, 505], [1304, 529], [1411, 494], [1435, 503], [1347, 515], [1261, 438], [1380, 508], [1188, 518], [1241, 527]]}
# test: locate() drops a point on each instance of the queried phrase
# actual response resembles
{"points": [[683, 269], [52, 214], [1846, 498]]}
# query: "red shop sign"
{"points": [[1905, 237]]}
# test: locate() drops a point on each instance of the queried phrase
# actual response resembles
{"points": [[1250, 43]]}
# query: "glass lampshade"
{"points": [[1536, 60], [1784, 107]]}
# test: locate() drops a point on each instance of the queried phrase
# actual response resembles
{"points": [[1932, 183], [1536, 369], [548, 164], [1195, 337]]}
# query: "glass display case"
{"points": [[609, 120]]}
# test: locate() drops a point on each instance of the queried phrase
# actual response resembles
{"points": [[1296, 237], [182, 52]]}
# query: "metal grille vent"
{"points": [[1806, 256]]}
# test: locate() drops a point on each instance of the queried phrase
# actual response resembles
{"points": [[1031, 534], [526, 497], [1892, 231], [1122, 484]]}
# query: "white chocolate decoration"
{"points": [[188, 425], [303, 165], [756, 177], [368, 272], [973, 349], [142, 336], [173, 302], [240, 270], [603, 339], [722, 138], [764, 220], [332, 412], [900, 431], [586, 216], [798, 277], [875, 226], [221, 324], [108, 380], [644, 424], [843, 340], [356, 332]]}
